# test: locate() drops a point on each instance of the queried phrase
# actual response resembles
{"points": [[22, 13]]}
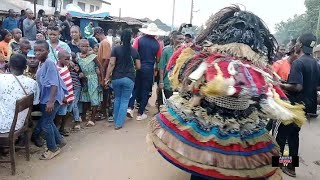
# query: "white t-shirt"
{"points": [[10, 92], [110, 39]]}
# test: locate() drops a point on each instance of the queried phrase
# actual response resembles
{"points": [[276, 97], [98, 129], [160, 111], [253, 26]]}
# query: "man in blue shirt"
{"points": [[10, 22], [52, 95], [150, 52]]}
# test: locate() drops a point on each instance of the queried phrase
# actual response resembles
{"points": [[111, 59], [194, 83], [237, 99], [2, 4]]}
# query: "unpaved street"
{"points": [[101, 153]]}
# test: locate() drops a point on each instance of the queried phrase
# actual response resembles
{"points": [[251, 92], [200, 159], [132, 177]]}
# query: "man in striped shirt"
{"points": [[66, 108]]}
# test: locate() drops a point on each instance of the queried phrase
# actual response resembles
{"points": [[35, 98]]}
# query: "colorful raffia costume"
{"points": [[214, 127]]}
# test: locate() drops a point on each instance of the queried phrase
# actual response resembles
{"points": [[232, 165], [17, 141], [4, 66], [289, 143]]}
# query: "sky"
{"points": [[271, 11]]}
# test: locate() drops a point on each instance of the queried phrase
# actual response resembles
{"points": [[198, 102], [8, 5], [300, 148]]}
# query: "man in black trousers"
{"points": [[302, 87]]}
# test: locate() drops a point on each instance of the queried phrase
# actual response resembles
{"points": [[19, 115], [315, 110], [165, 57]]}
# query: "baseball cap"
{"points": [[308, 42]]}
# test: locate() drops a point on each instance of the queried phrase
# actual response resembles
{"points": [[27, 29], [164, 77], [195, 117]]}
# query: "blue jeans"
{"points": [[75, 108], [143, 84], [122, 91], [46, 125]]}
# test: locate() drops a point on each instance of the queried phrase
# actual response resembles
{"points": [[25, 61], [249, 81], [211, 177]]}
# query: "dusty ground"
{"points": [[100, 153]]}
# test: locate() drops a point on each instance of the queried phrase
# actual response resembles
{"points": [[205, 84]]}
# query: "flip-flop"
{"points": [[47, 155], [90, 124]]}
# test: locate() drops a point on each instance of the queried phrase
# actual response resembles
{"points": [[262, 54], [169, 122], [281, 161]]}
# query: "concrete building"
{"points": [[50, 6]]}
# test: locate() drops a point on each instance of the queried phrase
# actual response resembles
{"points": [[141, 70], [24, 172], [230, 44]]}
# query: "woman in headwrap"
{"points": [[214, 128]]}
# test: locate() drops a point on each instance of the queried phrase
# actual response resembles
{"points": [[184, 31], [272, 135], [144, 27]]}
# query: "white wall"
{"points": [[50, 10]]}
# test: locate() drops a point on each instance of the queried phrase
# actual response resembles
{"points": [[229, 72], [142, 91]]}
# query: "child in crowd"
{"points": [[55, 44], [40, 36], [14, 44], [66, 108], [25, 47], [6, 37], [33, 65], [52, 90], [76, 76], [96, 49], [92, 94]]}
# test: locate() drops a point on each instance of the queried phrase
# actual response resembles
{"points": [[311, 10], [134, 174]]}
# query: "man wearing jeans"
{"points": [[52, 90], [150, 51]]}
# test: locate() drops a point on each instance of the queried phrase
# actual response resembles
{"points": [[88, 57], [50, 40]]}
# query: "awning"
{"points": [[75, 10]]}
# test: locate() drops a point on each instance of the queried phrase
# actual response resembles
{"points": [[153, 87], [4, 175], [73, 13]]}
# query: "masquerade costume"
{"points": [[215, 126]]}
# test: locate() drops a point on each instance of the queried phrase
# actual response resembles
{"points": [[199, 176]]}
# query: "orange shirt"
{"points": [[282, 68], [4, 49], [104, 51]]}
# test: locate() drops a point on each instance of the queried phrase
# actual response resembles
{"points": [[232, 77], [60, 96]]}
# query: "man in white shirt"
{"points": [[11, 91], [110, 37]]}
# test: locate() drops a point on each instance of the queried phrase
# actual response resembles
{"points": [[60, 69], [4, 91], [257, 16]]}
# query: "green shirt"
{"points": [[165, 57]]}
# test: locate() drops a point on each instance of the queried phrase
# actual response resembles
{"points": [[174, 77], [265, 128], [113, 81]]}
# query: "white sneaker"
{"points": [[142, 117], [130, 113]]}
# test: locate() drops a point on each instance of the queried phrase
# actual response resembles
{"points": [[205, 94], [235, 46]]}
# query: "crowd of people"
{"points": [[73, 77]]}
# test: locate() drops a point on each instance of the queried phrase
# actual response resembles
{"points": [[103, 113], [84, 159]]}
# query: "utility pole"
{"points": [[173, 11], [35, 8], [191, 13], [318, 25]]}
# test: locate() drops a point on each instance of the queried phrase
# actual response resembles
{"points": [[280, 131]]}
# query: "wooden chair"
{"points": [[9, 139]]}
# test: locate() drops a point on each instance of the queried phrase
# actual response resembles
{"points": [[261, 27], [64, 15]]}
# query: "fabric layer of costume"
{"points": [[214, 125]]}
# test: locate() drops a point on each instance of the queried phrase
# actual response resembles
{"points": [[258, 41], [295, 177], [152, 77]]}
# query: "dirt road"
{"points": [[101, 153]]}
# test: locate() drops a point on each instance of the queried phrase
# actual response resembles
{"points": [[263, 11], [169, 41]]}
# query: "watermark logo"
{"points": [[285, 161]]}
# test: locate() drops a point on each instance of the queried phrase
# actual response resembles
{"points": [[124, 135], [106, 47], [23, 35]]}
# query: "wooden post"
{"points": [[35, 8], [173, 11], [191, 13]]}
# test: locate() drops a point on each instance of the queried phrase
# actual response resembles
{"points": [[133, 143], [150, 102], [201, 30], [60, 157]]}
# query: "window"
{"points": [[52, 3], [82, 6], [40, 2], [91, 8], [66, 2], [97, 8]]}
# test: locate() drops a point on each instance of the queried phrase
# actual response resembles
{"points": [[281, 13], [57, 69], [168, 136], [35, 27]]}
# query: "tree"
{"points": [[299, 24], [292, 28]]}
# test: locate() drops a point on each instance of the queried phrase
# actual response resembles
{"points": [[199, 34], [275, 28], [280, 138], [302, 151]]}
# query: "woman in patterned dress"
{"points": [[92, 94]]}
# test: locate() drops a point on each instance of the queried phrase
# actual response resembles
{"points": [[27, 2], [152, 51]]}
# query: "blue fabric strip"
{"points": [[213, 130], [213, 149]]}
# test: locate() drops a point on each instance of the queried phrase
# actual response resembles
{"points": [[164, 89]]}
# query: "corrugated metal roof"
{"points": [[129, 20], [100, 19]]}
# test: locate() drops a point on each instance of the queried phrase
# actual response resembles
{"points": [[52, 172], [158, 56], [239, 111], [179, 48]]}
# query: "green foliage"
{"points": [[299, 24]]}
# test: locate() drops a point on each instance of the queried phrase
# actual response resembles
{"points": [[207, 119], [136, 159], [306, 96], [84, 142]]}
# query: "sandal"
{"points": [[64, 133], [76, 127], [90, 124], [47, 155]]}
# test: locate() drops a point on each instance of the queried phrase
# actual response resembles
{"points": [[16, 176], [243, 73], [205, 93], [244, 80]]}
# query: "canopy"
{"points": [[75, 10]]}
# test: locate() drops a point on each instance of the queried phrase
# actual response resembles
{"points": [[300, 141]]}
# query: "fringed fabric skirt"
{"points": [[214, 148]]}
